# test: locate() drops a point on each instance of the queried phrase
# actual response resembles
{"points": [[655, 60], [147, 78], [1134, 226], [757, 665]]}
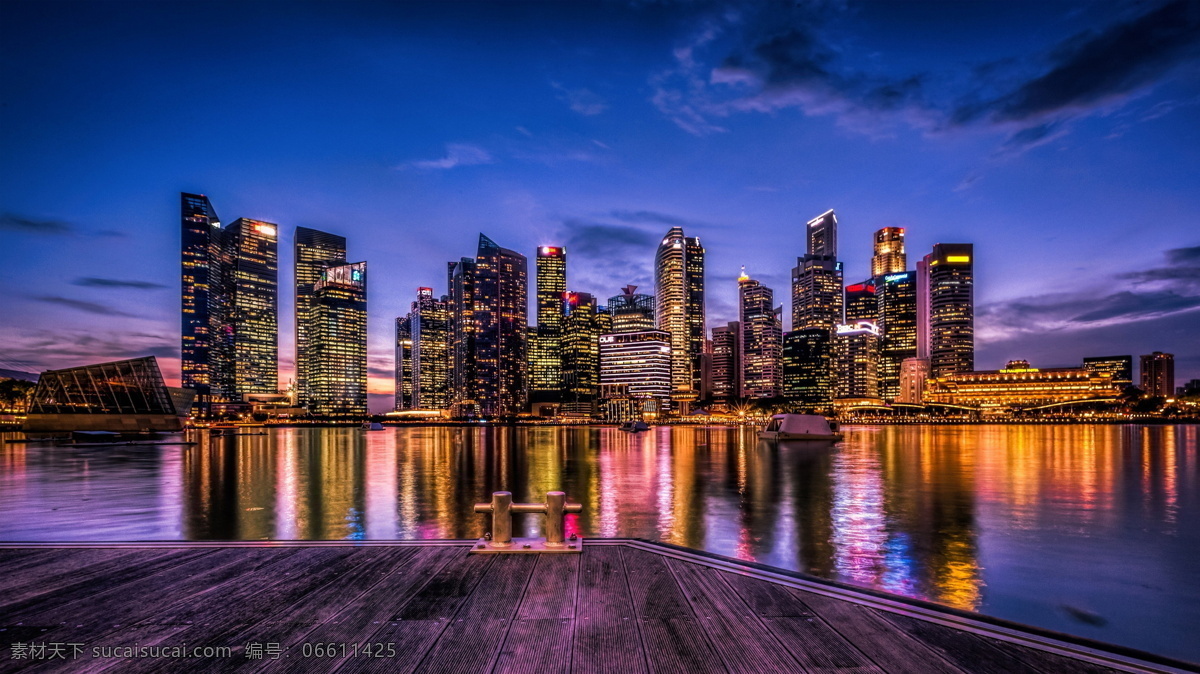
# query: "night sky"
{"points": [[1062, 139]]}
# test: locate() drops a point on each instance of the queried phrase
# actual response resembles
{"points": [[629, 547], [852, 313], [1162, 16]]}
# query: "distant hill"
{"points": [[15, 374]]}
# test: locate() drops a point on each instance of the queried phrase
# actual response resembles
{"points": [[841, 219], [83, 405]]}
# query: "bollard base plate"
{"points": [[526, 546]]}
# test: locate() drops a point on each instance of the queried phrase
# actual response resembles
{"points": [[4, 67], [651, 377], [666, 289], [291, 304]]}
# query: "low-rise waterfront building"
{"points": [[1019, 386]]}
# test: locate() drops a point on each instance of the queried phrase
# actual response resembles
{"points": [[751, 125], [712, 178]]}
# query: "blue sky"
{"points": [[1062, 139]]}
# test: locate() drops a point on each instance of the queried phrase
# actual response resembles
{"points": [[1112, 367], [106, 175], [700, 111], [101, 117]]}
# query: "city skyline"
{"points": [[1081, 208]]}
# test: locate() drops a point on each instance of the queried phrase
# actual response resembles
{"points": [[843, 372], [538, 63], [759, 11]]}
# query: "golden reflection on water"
{"points": [[900, 508]]}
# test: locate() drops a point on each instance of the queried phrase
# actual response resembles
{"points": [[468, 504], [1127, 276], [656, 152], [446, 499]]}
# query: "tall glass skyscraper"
{"points": [[337, 342], [951, 308], [253, 283], [679, 294], [822, 234], [889, 257], [808, 369], [489, 309], [759, 337], [314, 250], [897, 295], [631, 311], [423, 354], [206, 353], [727, 362], [546, 346]]}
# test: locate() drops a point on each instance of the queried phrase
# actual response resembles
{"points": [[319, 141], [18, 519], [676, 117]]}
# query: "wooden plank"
{"points": [[766, 599], [883, 642], [654, 590], [472, 640], [605, 616], [444, 594], [679, 645], [817, 646], [113, 572], [361, 620], [66, 570], [736, 634], [537, 646], [552, 588], [141, 635], [967, 651]]}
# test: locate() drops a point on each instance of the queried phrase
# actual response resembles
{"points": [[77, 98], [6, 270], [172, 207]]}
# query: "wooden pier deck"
{"points": [[620, 606]]}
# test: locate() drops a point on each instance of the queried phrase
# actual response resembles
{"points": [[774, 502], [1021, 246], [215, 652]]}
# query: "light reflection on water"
{"points": [[1015, 521]]}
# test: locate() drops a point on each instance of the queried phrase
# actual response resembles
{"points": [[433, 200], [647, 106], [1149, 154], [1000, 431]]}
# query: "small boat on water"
{"points": [[634, 426], [372, 426], [800, 427]]}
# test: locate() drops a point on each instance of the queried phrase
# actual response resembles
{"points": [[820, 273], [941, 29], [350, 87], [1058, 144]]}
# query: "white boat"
{"points": [[634, 426], [372, 426], [800, 427]]}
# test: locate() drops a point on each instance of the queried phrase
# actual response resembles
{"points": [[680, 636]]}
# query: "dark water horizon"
{"points": [[1085, 529]]}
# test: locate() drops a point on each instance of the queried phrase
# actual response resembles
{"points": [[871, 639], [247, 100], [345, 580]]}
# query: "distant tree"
{"points": [[1148, 405], [14, 394]]}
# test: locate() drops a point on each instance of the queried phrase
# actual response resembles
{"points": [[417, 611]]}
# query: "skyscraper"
{"points": [[822, 235], [897, 296], [206, 354], [951, 309], [463, 333], [638, 362], [861, 302], [499, 326], [423, 354], [582, 328], [807, 369], [253, 284], [336, 363], [889, 257], [545, 346], [313, 250], [726, 362], [817, 293], [759, 338], [1158, 374], [679, 293], [856, 352], [631, 311]]}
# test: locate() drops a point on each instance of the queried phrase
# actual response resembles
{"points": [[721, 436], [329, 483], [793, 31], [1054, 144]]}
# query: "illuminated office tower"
{"points": [[206, 354], [501, 319], [404, 378], [807, 369], [822, 235], [637, 362], [423, 354], [463, 333], [545, 343], [582, 327], [679, 295], [897, 296], [631, 311], [951, 309], [337, 342], [856, 360], [253, 286], [1119, 368], [861, 302], [313, 251], [1158, 374], [726, 362], [759, 339], [889, 257]]}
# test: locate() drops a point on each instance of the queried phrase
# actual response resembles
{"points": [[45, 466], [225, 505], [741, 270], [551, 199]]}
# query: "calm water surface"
{"points": [[1091, 530]]}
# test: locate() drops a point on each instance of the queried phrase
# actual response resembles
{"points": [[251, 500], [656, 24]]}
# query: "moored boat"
{"points": [[800, 427], [634, 426]]}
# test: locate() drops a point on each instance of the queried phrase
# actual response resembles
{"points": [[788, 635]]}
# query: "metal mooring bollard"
{"points": [[502, 509]]}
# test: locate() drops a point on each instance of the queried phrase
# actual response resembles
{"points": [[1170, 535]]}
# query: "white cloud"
{"points": [[457, 154]]}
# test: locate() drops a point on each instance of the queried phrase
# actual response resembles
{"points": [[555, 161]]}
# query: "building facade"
{"points": [[807, 369], [497, 325], [822, 235], [546, 338], [631, 311], [679, 296], [1158, 374], [1019, 386], [856, 360], [760, 340], [206, 364], [314, 250], [897, 297], [889, 257], [1120, 368], [726, 362], [337, 342], [951, 308], [253, 284], [423, 354], [637, 362]]}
